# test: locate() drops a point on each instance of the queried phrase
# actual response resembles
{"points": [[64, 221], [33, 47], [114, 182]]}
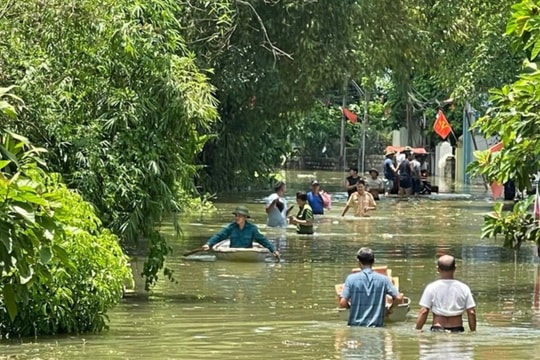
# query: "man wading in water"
{"points": [[364, 293], [448, 299]]}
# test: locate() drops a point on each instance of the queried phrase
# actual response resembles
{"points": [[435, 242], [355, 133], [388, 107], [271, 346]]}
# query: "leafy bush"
{"points": [[196, 204], [61, 270], [517, 226]]}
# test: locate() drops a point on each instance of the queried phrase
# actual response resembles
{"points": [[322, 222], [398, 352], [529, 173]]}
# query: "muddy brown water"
{"points": [[226, 310]]}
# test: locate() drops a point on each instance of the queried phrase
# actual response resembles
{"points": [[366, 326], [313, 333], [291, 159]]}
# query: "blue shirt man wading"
{"points": [[315, 199], [365, 293]]}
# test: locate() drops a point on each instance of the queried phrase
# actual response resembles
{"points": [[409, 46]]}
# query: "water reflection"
{"points": [[434, 346], [363, 343]]}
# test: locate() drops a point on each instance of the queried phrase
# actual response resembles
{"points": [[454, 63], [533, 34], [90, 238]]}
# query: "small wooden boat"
{"points": [[398, 313], [257, 253]]}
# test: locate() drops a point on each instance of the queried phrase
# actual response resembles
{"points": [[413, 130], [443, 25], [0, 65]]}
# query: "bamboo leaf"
{"points": [[10, 301]]}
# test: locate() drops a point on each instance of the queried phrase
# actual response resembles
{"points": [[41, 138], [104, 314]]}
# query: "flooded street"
{"points": [[287, 310]]}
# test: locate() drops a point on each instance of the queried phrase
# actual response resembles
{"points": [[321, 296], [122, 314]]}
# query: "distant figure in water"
{"points": [[362, 201], [276, 207], [315, 198], [374, 184], [405, 173], [364, 293], [241, 233], [448, 299], [389, 172], [351, 180], [304, 219]]}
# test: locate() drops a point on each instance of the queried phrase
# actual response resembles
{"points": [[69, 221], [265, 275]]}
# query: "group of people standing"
{"points": [[403, 173]]}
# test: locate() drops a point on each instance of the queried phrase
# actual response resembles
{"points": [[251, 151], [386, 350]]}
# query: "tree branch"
{"points": [[274, 49]]}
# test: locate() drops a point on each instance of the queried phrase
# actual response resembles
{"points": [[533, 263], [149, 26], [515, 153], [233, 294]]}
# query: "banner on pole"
{"points": [[441, 126], [352, 117]]}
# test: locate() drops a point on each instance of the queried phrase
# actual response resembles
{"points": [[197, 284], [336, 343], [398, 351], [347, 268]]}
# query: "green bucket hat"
{"points": [[241, 210]]}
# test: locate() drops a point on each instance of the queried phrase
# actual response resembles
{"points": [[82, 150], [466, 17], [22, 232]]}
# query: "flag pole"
{"points": [[343, 119], [364, 124], [455, 137]]}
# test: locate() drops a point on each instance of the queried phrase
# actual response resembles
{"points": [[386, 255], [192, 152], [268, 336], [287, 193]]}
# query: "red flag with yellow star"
{"points": [[441, 126]]}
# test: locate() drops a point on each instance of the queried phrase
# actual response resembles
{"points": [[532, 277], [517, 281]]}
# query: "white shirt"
{"points": [[276, 218], [416, 167], [447, 297], [399, 158]]}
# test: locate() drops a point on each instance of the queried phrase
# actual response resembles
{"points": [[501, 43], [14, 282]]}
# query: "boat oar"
{"points": [[194, 251]]}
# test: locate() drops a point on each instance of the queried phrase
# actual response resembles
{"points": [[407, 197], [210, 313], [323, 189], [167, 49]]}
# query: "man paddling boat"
{"points": [[241, 233]]}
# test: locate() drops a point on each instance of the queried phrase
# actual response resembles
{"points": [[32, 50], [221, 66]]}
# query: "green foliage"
{"points": [[117, 98], [516, 226], [275, 58], [60, 269], [196, 204], [433, 51], [276, 61], [514, 117], [321, 127]]}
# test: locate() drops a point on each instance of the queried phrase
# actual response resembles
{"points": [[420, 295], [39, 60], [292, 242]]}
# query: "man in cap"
{"points": [[405, 172], [276, 207], [364, 293], [241, 233], [448, 299], [315, 199], [389, 171]]}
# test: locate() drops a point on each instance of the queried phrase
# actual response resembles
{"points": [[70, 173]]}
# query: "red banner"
{"points": [[441, 126], [536, 208], [352, 117]]}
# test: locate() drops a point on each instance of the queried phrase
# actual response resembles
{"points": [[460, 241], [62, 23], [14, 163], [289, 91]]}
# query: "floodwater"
{"points": [[287, 310]]}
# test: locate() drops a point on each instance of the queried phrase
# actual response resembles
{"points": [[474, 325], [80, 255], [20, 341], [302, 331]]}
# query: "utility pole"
{"points": [[342, 140], [364, 126]]}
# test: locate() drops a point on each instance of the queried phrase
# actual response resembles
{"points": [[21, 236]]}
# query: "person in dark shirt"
{"points": [[351, 180], [241, 233], [405, 173], [389, 172]]}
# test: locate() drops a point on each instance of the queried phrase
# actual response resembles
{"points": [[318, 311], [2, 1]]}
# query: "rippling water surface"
{"points": [[287, 310]]}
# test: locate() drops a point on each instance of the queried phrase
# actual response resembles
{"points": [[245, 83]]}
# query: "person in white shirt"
{"points": [[374, 184], [276, 207], [448, 299], [416, 168]]}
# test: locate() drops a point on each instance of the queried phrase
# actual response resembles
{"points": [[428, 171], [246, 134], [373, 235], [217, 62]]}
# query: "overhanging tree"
{"points": [[514, 116], [114, 93]]}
